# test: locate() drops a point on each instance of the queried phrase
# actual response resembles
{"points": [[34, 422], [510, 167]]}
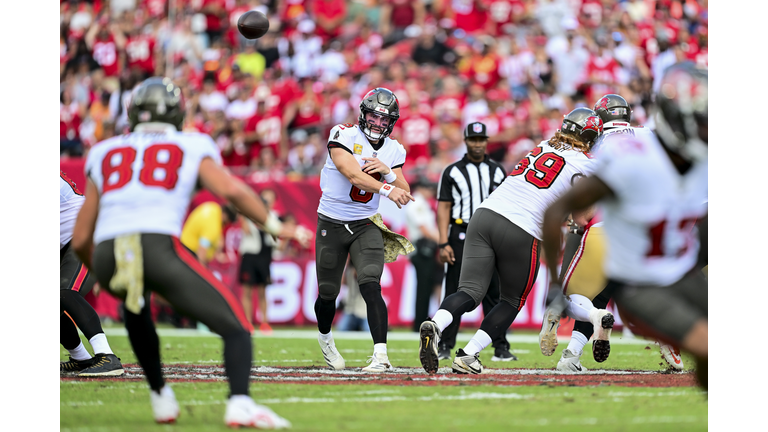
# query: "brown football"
{"points": [[253, 24]]}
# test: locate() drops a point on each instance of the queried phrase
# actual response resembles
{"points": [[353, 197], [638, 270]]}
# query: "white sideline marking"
{"points": [[342, 335]]}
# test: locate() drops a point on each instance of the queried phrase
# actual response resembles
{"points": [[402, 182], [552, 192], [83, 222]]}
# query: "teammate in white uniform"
{"points": [[75, 283], [505, 232], [652, 192], [582, 276], [139, 188], [359, 158]]}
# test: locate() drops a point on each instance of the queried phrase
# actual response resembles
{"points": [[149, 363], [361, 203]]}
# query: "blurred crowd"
{"points": [[516, 65]]}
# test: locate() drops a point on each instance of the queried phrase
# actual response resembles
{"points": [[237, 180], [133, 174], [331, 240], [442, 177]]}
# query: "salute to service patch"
{"points": [[358, 149]]}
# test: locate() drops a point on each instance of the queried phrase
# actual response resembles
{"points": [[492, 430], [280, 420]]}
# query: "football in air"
{"points": [[253, 24]]}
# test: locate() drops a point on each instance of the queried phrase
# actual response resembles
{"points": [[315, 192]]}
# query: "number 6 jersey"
{"points": [[146, 180], [341, 200], [537, 181]]}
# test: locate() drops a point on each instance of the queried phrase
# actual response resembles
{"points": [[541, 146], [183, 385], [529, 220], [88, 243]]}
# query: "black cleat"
{"points": [[501, 353], [443, 352], [428, 338], [73, 365], [601, 347], [104, 365]]}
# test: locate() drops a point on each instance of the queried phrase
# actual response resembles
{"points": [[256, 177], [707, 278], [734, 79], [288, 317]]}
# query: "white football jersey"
{"points": [[537, 181], [650, 224], [340, 200], [638, 132], [146, 180], [70, 200]]}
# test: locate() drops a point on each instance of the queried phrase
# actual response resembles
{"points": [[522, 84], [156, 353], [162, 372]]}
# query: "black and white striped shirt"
{"points": [[466, 185]]}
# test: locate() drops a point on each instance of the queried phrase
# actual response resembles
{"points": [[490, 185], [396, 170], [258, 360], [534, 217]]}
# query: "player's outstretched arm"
{"points": [[82, 235], [216, 179]]}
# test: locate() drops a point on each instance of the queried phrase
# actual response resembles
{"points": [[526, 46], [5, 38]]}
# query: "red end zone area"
{"points": [[417, 377]]}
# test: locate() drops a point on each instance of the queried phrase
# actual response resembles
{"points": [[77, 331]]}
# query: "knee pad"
{"points": [[370, 273], [329, 292]]}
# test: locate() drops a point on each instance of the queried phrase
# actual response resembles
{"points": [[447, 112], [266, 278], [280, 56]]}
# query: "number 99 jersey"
{"points": [[341, 200], [537, 181], [146, 180]]}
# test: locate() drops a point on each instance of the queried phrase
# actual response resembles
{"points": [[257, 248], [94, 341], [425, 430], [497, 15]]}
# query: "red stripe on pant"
{"points": [[575, 260], [206, 274], [82, 273], [531, 273]]}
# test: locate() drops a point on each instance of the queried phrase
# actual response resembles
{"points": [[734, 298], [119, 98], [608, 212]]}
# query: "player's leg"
{"points": [[422, 261], [331, 251], [500, 344], [676, 314], [570, 359], [473, 284], [517, 261], [247, 277], [452, 276], [367, 255], [263, 278], [79, 357], [75, 282]]}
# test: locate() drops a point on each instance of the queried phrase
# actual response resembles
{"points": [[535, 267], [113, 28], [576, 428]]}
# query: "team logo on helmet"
{"points": [[594, 123], [602, 103]]}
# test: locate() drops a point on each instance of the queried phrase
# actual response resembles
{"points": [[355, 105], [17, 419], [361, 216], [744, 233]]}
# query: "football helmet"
{"points": [[681, 110], [380, 102], [156, 100], [613, 110], [583, 124]]}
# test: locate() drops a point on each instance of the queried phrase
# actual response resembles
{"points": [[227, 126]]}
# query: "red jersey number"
{"points": [[656, 233], [541, 169], [361, 196], [117, 176]]}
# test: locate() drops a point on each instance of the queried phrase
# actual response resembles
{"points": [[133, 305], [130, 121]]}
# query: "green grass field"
{"points": [[123, 405]]}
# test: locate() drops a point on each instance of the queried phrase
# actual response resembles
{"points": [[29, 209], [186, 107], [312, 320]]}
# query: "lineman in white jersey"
{"points": [[505, 234], [139, 188], [582, 275], [652, 192], [75, 282], [360, 157]]}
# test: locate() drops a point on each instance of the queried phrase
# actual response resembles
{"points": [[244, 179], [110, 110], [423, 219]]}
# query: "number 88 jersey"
{"points": [[146, 180], [537, 181]]}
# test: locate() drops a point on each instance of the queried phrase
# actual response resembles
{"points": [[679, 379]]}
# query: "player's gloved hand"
{"points": [[556, 300]]}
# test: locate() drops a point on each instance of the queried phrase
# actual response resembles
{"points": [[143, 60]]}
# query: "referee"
{"points": [[463, 186]]}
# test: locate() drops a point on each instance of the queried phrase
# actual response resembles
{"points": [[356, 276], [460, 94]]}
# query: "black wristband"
{"points": [[442, 245]]}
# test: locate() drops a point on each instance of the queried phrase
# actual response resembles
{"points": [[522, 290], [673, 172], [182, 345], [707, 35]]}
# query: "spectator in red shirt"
{"points": [[106, 42], [141, 53], [215, 18], [70, 116], [329, 15], [397, 15]]}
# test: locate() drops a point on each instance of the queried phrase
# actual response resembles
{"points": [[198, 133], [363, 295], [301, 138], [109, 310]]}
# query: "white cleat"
{"points": [[548, 335], [242, 411], [467, 364], [672, 356], [602, 320], [164, 405], [331, 354], [570, 362], [378, 363]]}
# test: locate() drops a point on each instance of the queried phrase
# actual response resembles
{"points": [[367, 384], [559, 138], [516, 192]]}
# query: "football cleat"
{"points": [[103, 365], [501, 353], [548, 335], [331, 355], [379, 362], [164, 406], [570, 362], [429, 336], [671, 355], [443, 352], [242, 411], [467, 364], [73, 365], [602, 320]]}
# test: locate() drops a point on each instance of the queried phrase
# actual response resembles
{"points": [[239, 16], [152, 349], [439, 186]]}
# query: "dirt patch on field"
{"points": [[417, 376]]}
